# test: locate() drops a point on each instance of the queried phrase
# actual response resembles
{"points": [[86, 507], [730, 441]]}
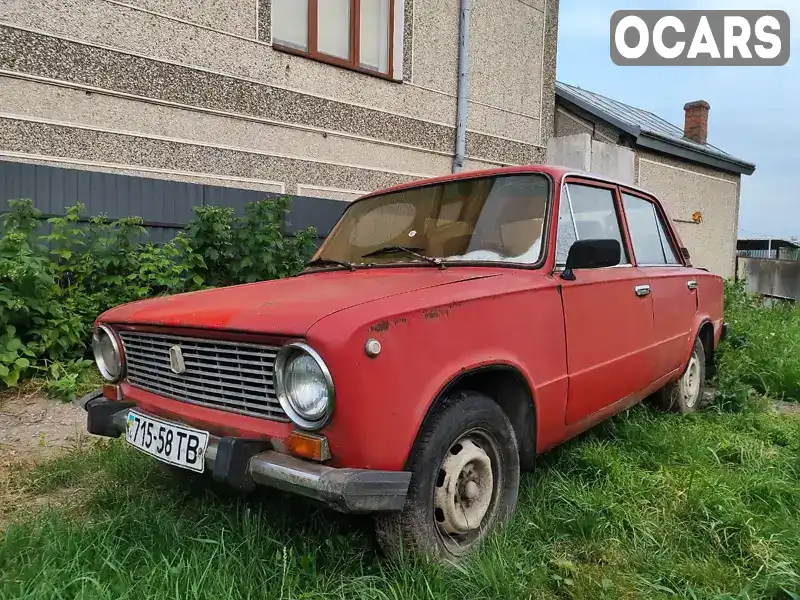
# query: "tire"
{"points": [[465, 468], [685, 394]]}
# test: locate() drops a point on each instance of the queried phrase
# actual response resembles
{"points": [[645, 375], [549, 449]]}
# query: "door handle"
{"points": [[692, 285], [642, 290]]}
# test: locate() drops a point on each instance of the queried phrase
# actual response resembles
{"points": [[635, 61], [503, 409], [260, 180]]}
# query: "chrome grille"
{"points": [[231, 376]]}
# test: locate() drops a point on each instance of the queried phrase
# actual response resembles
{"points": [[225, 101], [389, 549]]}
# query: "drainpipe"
{"points": [[463, 74]]}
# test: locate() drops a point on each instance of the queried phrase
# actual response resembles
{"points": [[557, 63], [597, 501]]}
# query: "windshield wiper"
{"points": [[407, 250], [319, 262]]}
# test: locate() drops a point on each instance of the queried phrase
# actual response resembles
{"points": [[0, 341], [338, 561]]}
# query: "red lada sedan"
{"points": [[445, 333]]}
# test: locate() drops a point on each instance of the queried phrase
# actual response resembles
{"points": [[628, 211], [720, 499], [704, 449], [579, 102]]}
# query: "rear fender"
{"points": [[700, 322]]}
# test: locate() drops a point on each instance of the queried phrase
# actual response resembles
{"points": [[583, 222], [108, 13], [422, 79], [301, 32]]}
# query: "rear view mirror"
{"points": [[591, 254]]}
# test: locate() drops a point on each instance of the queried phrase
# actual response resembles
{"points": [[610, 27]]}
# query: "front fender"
{"points": [[381, 402]]}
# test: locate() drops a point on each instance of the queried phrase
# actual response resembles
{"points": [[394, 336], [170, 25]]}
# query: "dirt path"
{"points": [[787, 408], [34, 427]]}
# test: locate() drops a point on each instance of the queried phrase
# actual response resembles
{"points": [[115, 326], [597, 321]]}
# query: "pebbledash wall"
{"points": [[193, 92], [685, 188]]}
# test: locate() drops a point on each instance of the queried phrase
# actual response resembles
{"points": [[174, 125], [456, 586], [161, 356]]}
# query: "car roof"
{"points": [[555, 171]]}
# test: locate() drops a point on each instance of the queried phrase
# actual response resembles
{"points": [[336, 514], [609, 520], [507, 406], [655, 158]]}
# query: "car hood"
{"points": [[285, 306]]}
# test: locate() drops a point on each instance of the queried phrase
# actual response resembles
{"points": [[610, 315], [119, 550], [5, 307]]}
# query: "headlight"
{"points": [[304, 386], [107, 353]]}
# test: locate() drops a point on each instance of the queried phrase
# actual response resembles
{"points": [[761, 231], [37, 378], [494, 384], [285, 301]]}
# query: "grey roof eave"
{"points": [[653, 141], [657, 143]]}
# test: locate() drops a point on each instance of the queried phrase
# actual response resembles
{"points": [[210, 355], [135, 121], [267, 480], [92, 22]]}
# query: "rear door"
{"points": [[673, 288], [608, 312]]}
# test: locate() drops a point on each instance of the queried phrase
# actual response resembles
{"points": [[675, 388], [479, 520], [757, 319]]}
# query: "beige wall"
{"points": [[193, 90], [685, 188], [510, 77]]}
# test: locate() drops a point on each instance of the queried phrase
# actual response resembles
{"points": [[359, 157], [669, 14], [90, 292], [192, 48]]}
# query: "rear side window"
{"points": [[586, 213], [651, 243]]}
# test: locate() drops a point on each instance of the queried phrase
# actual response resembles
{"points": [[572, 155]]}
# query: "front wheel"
{"points": [[464, 482], [685, 394]]}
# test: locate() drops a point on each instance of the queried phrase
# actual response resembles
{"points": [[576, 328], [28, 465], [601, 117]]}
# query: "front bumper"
{"points": [[245, 463]]}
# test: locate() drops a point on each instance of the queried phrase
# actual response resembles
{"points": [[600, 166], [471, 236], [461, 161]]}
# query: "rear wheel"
{"points": [[464, 483], [685, 394]]}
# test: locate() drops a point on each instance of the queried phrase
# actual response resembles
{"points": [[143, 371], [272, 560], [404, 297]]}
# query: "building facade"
{"points": [[312, 98], [698, 183]]}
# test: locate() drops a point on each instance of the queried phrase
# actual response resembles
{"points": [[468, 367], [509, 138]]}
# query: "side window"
{"points": [[566, 229], [586, 213], [651, 244], [669, 252]]}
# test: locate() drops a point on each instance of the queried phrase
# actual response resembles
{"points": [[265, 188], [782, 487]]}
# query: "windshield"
{"points": [[497, 219]]}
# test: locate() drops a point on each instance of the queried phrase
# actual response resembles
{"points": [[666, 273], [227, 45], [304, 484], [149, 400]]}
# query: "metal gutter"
{"points": [[463, 78], [653, 141]]}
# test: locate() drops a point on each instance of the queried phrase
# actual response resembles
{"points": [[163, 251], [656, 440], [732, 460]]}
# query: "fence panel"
{"points": [[166, 206]]}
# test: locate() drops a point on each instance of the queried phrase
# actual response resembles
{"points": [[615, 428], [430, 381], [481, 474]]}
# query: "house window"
{"points": [[357, 34]]}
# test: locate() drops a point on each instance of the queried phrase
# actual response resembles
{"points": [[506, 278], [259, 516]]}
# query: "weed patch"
{"points": [[763, 353], [646, 505]]}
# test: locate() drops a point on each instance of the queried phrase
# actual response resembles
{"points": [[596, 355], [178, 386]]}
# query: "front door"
{"points": [[608, 312], [673, 287]]}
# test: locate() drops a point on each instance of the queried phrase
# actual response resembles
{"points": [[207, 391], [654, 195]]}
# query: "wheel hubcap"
{"points": [[464, 488], [690, 382]]}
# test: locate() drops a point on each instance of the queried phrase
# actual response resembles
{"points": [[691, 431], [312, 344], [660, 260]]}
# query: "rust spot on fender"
{"points": [[380, 327], [436, 313], [401, 321]]}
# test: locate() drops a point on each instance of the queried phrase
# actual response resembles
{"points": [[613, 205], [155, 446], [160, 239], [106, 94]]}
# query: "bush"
{"points": [[53, 286]]}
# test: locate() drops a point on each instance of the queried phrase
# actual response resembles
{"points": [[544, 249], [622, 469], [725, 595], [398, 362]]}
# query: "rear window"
{"points": [[651, 243]]}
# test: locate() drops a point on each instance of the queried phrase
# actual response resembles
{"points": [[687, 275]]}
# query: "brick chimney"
{"points": [[696, 124]]}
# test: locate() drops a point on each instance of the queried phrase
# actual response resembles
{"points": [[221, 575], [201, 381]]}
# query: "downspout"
{"points": [[463, 75]]}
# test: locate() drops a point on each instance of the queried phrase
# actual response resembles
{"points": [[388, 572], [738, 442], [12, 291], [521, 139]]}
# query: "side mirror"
{"points": [[591, 254]]}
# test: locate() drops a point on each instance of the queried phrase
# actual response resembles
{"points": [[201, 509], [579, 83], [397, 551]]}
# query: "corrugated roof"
{"points": [[644, 124]]}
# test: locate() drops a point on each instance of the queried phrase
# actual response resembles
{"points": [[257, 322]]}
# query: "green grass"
{"points": [[645, 506], [765, 345]]}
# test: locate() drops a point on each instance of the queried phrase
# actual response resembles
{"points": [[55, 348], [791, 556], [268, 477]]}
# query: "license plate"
{"points": [[168, 442]]}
